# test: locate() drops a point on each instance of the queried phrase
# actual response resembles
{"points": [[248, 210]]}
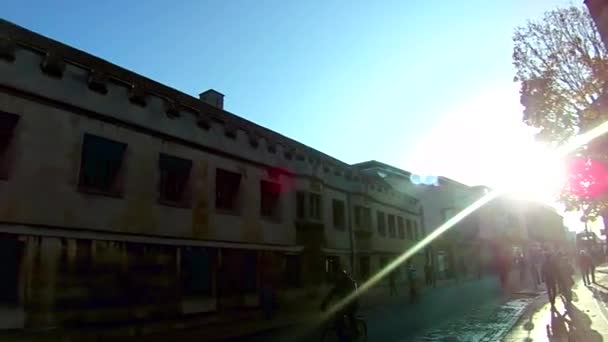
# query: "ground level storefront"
{"points": [[81, 279]]}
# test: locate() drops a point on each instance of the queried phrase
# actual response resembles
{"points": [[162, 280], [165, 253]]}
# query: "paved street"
{"points": [[487, 322], [471, 311], [585, 321]]}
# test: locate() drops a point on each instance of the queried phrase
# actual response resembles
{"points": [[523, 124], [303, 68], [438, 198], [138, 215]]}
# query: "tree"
{"points": [[562, 64]]}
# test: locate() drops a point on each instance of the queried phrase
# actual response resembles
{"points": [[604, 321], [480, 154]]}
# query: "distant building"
{"points": [[515, 225], [124, 199], [441, 198], [396, 230]]}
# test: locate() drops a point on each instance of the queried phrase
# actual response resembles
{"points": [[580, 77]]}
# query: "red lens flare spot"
{"points": [[587, 178]]}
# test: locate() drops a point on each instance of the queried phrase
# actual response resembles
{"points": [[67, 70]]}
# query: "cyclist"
{"points": [[343, 286]]}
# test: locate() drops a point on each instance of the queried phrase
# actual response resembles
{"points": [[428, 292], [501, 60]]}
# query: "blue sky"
{"points": [[423, 85]]}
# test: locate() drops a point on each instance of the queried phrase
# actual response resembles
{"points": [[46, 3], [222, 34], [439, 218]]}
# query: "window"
{"points": [[381, 223], [269, 199], [308, 205], [8, 122], [292, 271], [84, 256], [364, 267], [226, 189], [196, 271], [174, 178], [11, 252], [238, 273], [409, 229], [332, 263], [415, 228], [314, 206], [338, 214], [383, 262], [101, 164], [400, 228], [362, 217], [391, 226], [250, 273], [301, 204]]}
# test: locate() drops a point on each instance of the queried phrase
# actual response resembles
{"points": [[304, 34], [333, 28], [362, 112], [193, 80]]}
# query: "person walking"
{"points": [[392, 284], [503, 268], [411, 276], [583, 266], [534, 263], [523, 267], [549, 276], [427, 274], [591, 267], [565, 274]]}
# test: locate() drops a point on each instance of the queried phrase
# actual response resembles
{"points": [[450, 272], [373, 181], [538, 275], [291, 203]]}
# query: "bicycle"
{"points": [[350, 334]]}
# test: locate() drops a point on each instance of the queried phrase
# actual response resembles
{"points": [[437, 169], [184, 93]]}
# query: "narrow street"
{"points": [[476, 312], [472, 311], [487, 322]]}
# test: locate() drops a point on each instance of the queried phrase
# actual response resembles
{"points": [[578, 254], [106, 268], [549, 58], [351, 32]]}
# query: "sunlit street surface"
{"points": [[585, 320]]}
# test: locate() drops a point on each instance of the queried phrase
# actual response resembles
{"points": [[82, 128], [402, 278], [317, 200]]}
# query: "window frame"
{"points": [[294, 282], [116, 186], [400, 228], [381, 223], [8, 126], [392, 229], [274, 196], [188, 271], [409, 233], [235, 193], [309, 206], [315, 209], [339, 221], [184, 200]]}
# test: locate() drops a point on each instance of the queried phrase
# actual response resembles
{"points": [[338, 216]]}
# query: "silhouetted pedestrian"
{"points": [[549, 276], [565, 274], [522, 265], [428, 274], [533, 266], [503, 268], [411, 275], [392, 285], [591, 267], [583, 266]]}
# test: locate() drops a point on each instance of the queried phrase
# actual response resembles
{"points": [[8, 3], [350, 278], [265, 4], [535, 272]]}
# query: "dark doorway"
{"points": [[11, 251]]}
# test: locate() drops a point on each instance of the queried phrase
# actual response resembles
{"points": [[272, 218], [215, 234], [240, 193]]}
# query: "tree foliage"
{"points": [[560, 61], [562, 65]]}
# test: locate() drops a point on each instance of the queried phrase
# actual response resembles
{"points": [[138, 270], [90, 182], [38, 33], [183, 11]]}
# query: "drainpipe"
{"points": [[350, 233], [429, 248]]}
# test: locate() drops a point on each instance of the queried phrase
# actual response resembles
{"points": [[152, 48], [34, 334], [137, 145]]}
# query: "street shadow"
{"points": [[599, 294], [577, 326], [558, 329], [602, 286]]}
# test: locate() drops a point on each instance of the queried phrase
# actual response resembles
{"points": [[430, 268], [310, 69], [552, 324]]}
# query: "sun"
{"points": [[534, 173]]}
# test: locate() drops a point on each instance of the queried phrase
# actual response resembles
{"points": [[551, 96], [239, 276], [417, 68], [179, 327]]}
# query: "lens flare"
{"points": [[561, 152]]}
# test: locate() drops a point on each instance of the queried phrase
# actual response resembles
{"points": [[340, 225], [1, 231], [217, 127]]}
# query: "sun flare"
{"points": [[534, 173]]}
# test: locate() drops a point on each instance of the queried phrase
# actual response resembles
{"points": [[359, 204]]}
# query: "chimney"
{"points": [[212, 97]]}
